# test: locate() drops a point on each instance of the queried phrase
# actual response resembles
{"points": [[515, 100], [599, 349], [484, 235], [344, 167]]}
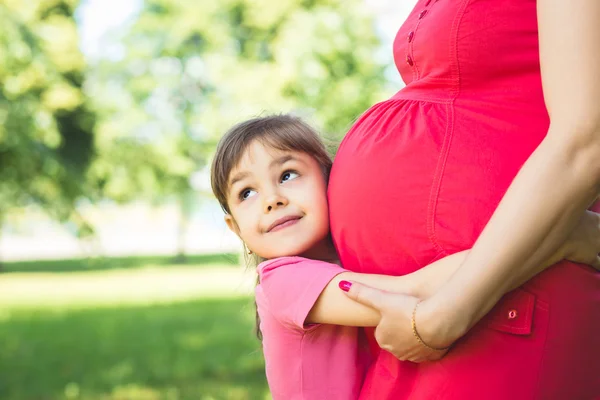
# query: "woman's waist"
{"points": [[524, 90], [435, 90]]}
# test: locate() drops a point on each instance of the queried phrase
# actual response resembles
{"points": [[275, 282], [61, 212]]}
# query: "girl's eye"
{"points": [[288, 176], [246, 194]]}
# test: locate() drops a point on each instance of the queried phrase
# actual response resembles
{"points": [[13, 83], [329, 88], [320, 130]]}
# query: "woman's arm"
{"points": [[333, 307], [552, 190]]}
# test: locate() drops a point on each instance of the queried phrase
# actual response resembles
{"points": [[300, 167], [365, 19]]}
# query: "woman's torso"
{"points": [[418, 177]]}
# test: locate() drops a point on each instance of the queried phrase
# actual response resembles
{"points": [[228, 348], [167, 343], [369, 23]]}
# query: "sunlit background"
{"points": [[118, 277]]}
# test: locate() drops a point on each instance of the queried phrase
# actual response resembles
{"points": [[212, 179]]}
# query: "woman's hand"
{"points": [[434, 322], [583, 245], [394, 332]]}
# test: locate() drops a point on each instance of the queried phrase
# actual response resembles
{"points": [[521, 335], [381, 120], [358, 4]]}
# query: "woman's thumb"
{"points": [[363, 294]]}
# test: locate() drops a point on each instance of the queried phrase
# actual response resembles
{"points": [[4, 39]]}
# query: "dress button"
{"points": [[512, 314], [422, 14], [409, 60], [411, 34]]}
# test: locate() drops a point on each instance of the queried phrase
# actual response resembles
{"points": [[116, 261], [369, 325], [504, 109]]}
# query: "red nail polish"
{"points": [[345, 285]]}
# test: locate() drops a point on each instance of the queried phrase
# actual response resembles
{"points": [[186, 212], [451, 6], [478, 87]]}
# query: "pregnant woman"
{"points": [[493, 144]]}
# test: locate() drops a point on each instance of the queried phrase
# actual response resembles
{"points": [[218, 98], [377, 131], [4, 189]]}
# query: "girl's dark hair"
{"points": [[281, 132]]}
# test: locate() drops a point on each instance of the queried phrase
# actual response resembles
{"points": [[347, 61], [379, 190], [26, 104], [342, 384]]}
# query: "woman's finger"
{"points": [[401, 357], [418, 357], [366, 295], [422, 355], [428, 356], [438, 355]]}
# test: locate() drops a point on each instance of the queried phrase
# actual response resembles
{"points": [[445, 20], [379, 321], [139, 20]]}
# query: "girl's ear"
{"points": [[231, 224]]}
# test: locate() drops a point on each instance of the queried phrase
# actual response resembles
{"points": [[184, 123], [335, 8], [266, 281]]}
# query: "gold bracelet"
{"points": [[414, 329]]}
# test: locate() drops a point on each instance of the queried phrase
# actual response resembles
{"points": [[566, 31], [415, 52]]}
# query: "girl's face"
{"points": [[278, 202]]}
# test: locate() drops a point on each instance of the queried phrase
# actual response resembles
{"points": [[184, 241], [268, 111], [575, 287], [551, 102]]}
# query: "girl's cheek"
{"points": [[251, 202], [299, 181], [244, 204]]}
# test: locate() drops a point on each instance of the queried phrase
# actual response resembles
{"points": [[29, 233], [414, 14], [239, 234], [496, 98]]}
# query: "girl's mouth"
{"points": [[283, 223]]}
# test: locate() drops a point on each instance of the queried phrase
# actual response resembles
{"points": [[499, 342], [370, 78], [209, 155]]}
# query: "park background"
{"points": [[118, 277]]}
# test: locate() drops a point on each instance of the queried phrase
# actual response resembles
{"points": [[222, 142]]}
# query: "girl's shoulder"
{"points": [[280, 261], [293, 261], [289, 287]]}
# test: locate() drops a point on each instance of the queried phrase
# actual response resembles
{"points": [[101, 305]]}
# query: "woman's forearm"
{"points": [[333, 307], [556, 184], [422, 283], [538, 212]]}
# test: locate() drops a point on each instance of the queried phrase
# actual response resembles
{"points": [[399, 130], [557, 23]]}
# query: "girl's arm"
{"points": [[553, 188]]}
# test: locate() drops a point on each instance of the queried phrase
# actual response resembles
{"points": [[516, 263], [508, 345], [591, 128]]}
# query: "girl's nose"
{"points": [[275, 201]]}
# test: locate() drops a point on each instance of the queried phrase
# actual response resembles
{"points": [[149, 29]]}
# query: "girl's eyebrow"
{"points": [[281, 160], [278, 162], [238, 177], [275, 163]]}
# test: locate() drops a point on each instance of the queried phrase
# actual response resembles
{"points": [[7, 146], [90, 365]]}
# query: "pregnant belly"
{"points": [[414, 181], [407, 188]]}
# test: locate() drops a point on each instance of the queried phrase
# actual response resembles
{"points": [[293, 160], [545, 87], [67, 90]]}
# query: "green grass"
{"points": [[196, 350], [102, 263], [134, 328], [123, 287]]}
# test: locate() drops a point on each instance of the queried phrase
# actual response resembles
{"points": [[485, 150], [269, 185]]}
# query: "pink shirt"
{"points": [[306, 362]]}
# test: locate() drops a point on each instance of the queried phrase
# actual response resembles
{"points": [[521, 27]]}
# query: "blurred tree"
{"points": [[240, 57], [185, 71], [46, 128]]}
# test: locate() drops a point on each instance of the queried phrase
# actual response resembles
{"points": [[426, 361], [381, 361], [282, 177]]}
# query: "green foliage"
{"points": [[194, 350], [46, 128], [189, 70], [174, 81]]}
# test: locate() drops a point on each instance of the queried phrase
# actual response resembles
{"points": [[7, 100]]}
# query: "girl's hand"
{"points": [[394, 332], [583, 245]]}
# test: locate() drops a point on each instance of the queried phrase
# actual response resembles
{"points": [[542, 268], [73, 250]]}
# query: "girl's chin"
{"points": [[296, 251]]}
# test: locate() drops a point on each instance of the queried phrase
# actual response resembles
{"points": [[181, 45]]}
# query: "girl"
{"points": [[270, 177]]}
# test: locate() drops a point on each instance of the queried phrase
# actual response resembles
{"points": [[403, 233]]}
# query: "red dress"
{"points": [[418, 177]]}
